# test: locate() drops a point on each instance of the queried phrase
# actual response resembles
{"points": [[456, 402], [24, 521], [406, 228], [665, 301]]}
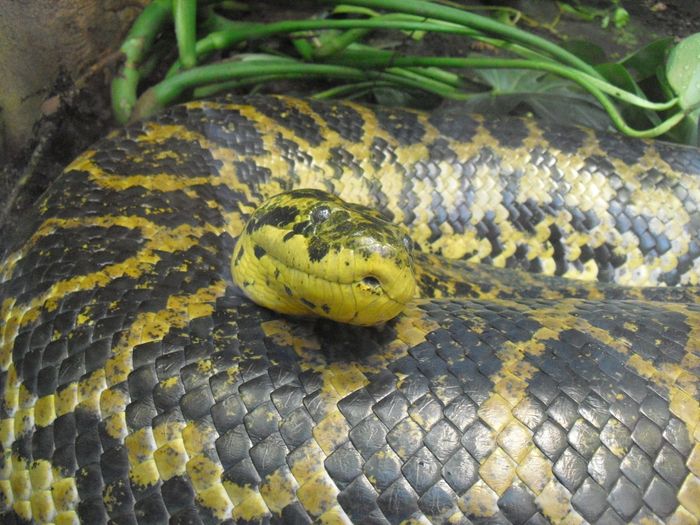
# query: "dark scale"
{"points": [[524, 216], [681, 158], [685, 263], [249, 172], [159, 207], [556, 237], [439, 216], [440, 151], [277, 217], [620, 147], [583, 221], [343, 163], [225, 127], [463, 211], [342, 119], [380, 199], [653, 178], [457, 217], [381, 153], [599, 163], [293, 155], [408, 200], [67, 247], [509, 133], [641, 228], [118, 159], [487, 228], [301, 124], [454, 124], [566, 139], [401, 125], [607, 259]]}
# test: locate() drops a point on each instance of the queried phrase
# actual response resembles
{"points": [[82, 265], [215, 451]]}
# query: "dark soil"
{"points": [[676, 18]]}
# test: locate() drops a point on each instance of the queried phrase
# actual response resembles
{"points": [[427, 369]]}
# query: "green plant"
{"points": [[653, 91], [615, 13]]}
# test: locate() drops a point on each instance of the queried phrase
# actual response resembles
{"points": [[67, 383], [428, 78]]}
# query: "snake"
{"points": [[267, 309]]}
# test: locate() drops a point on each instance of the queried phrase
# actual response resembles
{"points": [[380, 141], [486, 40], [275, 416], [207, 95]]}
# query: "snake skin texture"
{"points": [[139, 386]]}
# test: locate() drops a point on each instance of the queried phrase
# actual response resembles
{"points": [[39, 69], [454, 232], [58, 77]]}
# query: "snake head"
{"points": [[308, 252]]}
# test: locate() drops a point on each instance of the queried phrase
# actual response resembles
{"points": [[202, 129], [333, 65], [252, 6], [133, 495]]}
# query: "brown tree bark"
{"points": [[41, 38]]}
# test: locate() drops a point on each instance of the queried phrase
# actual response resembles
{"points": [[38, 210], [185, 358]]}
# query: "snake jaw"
{"points": [[356, 302], [307, 252]]}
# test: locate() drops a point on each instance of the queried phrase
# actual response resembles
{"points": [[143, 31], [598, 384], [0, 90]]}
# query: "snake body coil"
{"points": [[140, 386]]}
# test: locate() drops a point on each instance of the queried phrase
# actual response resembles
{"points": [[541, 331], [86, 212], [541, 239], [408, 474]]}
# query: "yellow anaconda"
{"points": [[139, 385]]}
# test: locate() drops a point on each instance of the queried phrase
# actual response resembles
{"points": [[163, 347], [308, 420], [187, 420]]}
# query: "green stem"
{"points": [[169, 90], [440, 75], [345, 89], [353, 61], [185, 18], [359, 51], [212, 89], [398, 21], [430, 84], [225, 39], [335, 45], [137, 43], [581, 79], [369, 57], [238, 33], [481, 23], [631, 98]]}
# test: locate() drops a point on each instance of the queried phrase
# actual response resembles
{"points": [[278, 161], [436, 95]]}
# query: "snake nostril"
{"points": [[372, 281]]}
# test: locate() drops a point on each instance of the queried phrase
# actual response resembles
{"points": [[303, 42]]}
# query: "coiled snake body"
{"points": [[140, 386]]}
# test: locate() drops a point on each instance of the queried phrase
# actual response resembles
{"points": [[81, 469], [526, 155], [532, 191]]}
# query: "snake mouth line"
{"points": [[338, 282]]}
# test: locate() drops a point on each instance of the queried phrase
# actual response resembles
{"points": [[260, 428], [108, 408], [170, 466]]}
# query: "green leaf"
{"points": [[583, 49], [620, 17], [548, 96], [506, 17], [389, 96], [645, 60], [582, 12], [687, 131], [683, 71], [617, 75]]}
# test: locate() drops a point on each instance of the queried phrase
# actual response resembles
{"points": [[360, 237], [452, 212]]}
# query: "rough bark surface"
{"points": [[41, 38]]}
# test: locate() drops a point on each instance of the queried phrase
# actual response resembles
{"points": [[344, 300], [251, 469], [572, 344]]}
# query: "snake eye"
{"points": [[320, 214], [372, 281]]}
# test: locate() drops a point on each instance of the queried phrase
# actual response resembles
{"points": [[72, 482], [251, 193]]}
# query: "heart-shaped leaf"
{"points": [[683, 71]]}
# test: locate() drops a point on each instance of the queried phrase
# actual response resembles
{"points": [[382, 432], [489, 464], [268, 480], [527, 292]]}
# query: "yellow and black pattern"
{"points": [[307, 252], [140, 386]]}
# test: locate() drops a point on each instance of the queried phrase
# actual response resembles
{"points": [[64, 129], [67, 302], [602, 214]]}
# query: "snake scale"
{"points": [[140, 386]]}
